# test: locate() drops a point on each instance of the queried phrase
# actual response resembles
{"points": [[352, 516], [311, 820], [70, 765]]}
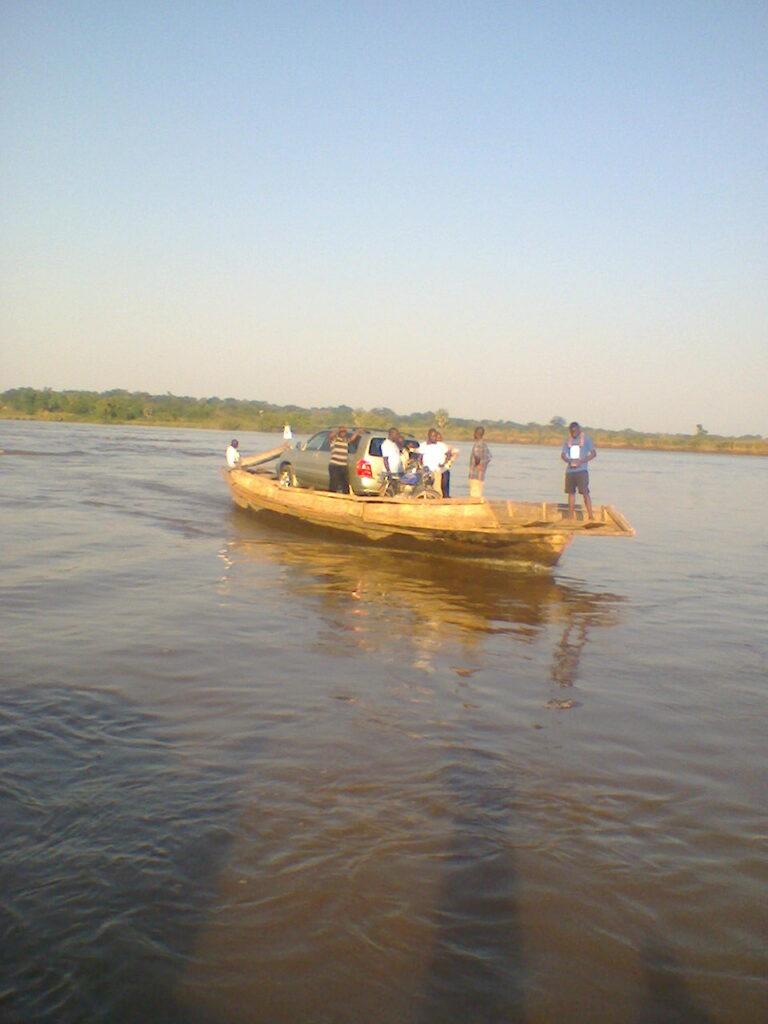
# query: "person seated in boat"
{"points": [[410, 456], [391, 453], [232, 454], [577, 452], [338, 467], [451, 455], [434, 454]]}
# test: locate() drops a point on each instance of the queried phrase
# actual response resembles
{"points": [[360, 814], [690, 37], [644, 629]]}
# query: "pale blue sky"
{"points": [[510, 210]]}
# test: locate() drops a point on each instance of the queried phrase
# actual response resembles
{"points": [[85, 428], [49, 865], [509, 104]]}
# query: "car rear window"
{"points": [[374, 448]]}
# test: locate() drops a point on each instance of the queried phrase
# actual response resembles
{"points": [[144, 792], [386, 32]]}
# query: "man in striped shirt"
{"points": [[338, 467]]}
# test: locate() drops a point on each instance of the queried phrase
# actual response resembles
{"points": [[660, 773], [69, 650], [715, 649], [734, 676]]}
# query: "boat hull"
{"points": [[515, 531]]}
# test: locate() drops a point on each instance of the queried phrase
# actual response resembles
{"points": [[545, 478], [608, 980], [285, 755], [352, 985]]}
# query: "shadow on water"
{"points": [[477, 973], [666, 999], [109, 850]]}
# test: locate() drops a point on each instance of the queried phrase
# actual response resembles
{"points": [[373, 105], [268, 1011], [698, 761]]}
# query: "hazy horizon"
{"points": [[508, 211], [399, 414]]}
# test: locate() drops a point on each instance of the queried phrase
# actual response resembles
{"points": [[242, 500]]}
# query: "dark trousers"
{"points": [[445, 483], [338, 477]]}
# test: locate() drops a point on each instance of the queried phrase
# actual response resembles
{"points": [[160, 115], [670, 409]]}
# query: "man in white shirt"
{"points": [[390, 452], [232, 454], [433, 455]]}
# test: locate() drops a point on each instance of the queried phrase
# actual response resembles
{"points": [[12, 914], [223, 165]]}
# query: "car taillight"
{"points": [[363, 468]]}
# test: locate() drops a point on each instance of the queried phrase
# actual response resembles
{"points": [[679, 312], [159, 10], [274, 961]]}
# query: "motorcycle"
{"points": [[416, 481]]}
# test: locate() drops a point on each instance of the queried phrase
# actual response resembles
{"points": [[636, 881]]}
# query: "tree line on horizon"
{"points": [[232, 414]]}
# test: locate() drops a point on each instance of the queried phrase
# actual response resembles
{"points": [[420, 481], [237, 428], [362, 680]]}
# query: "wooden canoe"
{"points": [[520, 531]]}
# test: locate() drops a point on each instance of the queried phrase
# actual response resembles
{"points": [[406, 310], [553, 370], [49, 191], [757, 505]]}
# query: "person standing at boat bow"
{"points": [[577, 452], [338, 467]]}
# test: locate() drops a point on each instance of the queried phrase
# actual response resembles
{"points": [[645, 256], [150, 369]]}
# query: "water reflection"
{"points": [[371, 597], [374, 873]]}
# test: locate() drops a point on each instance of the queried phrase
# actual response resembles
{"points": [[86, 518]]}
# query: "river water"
{"points": [[253, 774]]}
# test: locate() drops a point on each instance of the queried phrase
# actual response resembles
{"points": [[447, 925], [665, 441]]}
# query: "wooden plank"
{"points": [[260, 459]]}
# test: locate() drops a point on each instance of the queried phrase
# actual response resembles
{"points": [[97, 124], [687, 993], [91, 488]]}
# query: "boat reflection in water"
{"points": [[369, 598], [373, 875]]}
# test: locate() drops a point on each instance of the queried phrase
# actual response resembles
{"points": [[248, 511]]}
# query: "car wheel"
{"points": [[285, 476]]}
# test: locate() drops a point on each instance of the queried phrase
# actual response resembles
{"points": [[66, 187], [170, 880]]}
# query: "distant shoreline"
{"points": [[706, 445]]}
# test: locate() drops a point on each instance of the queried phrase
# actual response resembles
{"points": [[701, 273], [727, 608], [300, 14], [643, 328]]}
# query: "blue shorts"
{"points": [[578, 481]]}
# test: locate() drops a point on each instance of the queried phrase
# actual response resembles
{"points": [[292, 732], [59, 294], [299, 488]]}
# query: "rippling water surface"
{"points": [[253, 774]]}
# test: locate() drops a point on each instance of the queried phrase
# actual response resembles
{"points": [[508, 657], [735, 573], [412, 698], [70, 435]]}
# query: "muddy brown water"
{"points": [[252, 774]]}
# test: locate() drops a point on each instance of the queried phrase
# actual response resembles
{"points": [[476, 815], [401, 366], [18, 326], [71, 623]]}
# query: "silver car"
{"points": [[306, 465]]}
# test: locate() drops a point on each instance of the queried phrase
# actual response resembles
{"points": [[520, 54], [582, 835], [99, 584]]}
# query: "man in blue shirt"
{"points": [[577, 452]]}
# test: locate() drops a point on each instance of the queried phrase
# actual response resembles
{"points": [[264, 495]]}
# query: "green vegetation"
{"points": [[234, 414]]}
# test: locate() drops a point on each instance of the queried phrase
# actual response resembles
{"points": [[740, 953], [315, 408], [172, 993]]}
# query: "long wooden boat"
{"points": [[519, 531]]}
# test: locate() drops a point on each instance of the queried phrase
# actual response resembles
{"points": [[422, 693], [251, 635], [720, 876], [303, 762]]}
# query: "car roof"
{"points": [[368, 430]]}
